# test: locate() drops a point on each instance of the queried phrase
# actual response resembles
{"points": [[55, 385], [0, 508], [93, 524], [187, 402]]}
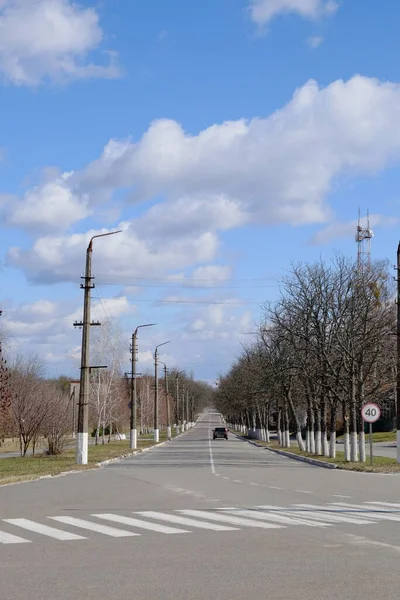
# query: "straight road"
{"points": [[196, 519]]}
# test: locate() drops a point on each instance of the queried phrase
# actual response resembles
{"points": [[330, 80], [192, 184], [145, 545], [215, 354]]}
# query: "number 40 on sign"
{"points": [[370, 413]]}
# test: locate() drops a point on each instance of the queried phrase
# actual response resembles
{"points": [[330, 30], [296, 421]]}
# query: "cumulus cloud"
{"points": [[50, 40], [50, 206], [278, 169], [263, 11], [56, 258]]}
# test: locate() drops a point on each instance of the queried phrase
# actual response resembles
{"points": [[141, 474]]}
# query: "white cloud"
{"points": [[273, 170], [209, 275], [347, 229], [51, 206], [263, 11], [314, 41], [49, 40], [276, 169], [61, 258]]}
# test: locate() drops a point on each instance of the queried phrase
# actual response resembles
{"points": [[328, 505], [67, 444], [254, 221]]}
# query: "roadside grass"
{"points": [[15, 469], [381, 464], [379, 436]]}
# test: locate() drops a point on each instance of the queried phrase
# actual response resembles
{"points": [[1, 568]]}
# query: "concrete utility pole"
{"points": [[187, 410], [177, 402], [156, 430], [166, 393], [398, 355], [83, 412], [133, 423]]}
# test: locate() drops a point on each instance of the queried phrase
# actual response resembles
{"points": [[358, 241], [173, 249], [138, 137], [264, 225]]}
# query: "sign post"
{"points": [[370, 413]]}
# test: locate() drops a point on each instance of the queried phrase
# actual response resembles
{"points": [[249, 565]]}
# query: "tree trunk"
{"points": [[278, 427], [318, 434], [346, 435], [299, 436], [332, 437], [353, 423]]}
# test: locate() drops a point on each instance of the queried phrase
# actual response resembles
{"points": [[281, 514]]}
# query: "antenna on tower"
{"points": [[363, 239]]}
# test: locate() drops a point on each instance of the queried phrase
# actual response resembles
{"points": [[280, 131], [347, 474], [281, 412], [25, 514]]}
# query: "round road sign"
{"points": [[370, 412]]}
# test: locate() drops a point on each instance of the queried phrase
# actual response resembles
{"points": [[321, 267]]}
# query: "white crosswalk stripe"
{"points": [[369, 511], [202, 514], [185, 521], [270, 516], [326, 515], [9, 538], [141, 524], [57, 534], [218, 519], [97, 527]]}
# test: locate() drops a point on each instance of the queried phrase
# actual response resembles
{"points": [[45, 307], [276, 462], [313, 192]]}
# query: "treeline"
{"points": [[33, 407], [322, 350]]}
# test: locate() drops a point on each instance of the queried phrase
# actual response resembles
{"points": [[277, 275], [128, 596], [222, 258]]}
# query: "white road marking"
{"points": [[272, 487], [229, 519], [57, 534], [9, 538], [303, 491], [325, 515], [254, 484], [210, 448], [370, 512], [140, 524], [98, 527], [340, 496], [237, 480], [355, 539], [271, 516], [185, 521], [225, 477], [386, 504]]}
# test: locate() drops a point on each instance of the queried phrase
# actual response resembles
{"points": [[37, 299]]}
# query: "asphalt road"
{"points": [[183, 522]]}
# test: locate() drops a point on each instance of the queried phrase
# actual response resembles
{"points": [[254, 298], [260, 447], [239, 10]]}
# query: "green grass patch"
{"points": [[380, 436], [15, 469]]}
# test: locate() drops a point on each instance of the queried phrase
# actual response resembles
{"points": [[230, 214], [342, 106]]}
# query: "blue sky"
{"points": [[226, 138]]}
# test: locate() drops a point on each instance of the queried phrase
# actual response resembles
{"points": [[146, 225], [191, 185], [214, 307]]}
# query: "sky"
{"points": [[226, 139]]}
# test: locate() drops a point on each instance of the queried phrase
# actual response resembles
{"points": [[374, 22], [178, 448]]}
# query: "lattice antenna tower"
{"points": [[364, 236]]}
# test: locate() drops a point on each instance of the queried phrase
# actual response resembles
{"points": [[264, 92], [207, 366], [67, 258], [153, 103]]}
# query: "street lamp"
{"points": [[83, 405], [133, 428], [156, 430]]}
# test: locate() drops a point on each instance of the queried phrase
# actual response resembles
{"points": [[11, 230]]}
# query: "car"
{"points": [[220, 432]]}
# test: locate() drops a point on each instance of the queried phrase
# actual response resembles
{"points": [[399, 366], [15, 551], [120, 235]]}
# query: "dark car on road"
{"points": [[220, 432]]}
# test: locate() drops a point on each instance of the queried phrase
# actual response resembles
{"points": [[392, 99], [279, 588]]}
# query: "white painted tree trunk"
{"points": [[318, 442], [361, 446], [267, 436], [312, 442], [300, 441], [353, 446], [308, 443], [287, 438], [347, 446], [332, 445], [325, 445], [279, 432]]}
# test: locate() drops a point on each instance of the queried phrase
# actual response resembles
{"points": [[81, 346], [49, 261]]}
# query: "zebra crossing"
{"points": [[187, 521]]}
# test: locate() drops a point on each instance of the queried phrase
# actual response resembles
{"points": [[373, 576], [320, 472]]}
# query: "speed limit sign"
{"points": [[370, 412]]}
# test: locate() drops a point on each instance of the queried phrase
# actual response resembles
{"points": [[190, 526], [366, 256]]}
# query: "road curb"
{"points": [[306, 459]]}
